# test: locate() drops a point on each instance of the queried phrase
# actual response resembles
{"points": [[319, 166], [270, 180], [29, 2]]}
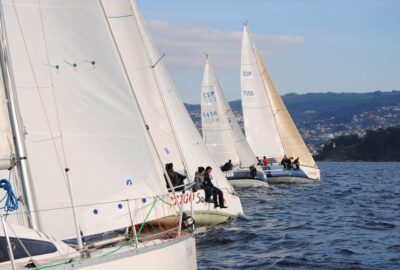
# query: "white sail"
{"points": [[280, 122], [259, 122], [128, 38], [128, 27], [221, 132], [6, 150], [79, 113]]}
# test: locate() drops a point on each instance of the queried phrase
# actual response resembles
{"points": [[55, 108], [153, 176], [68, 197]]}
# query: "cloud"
{"points": [[185, 45]]}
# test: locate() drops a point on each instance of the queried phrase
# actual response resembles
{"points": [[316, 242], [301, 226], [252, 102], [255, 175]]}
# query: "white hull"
{"points": [[289, 180], [306, 175], [175, 254], [245, 183], [204, 213], [172, 254], [312, 173]]}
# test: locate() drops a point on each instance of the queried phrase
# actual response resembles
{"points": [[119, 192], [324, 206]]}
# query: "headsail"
{"points": [[290, 138], [221, 132], [79, 113], [128, 26], [259, 122]]}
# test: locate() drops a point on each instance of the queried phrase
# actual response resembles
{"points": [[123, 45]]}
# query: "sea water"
{"points": [[349, 220]]}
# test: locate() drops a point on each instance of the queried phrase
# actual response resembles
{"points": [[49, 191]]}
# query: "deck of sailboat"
{"points": [[147, 254]]}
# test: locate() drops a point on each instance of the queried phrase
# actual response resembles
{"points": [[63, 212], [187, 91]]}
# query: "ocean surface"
{"points": [[349, 220]]}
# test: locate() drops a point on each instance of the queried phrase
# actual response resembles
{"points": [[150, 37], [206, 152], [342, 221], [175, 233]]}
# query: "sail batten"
{"points": [[87, 123]]}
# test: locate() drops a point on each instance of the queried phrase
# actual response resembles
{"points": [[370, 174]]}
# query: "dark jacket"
{"points": [[227, 167], [176, 178], [207, 180]]}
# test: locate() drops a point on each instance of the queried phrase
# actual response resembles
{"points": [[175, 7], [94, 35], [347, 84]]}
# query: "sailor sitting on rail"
{"points": [[227, 166], [199, 179], [218, 195], [176, 178]]}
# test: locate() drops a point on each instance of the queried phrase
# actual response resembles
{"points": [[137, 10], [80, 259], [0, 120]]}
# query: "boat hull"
{"points": [[204, 213], [278, 175], [242, 178], [174, 254], [245, 183]]}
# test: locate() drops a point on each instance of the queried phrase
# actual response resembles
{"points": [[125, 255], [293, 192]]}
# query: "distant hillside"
{"points": [[376, 145], [322, 116]]}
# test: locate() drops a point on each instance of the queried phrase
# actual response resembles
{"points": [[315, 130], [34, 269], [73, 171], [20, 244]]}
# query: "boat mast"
{"points": [[162, 95], [29, 198]]}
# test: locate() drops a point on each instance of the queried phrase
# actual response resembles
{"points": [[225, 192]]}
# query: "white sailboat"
{"points": [[269, 128], [176, 138], [84, 162], [223, 136]]}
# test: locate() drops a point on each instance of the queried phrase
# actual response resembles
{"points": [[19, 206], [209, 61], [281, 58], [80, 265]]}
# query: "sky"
{"points": [[307, 45]]}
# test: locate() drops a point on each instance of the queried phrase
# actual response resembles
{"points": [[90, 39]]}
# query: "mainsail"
{"points": [[291, 140], [186, 147], [259, 122], [81, 119], [221, 132]]}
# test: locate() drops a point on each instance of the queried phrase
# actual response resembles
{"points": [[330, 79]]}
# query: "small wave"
{"points": [[372, 225], [395, 248], [345, 251]]}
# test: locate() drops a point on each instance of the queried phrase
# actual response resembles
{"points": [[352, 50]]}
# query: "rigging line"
{"points": [[37, 86], [20, 242], [95, 204], [127, 243], [52, 83]]}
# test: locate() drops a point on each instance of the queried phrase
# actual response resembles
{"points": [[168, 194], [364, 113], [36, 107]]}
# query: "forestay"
{"points": [[79, 113], [126, 24], [259, 122], [221, 132]]}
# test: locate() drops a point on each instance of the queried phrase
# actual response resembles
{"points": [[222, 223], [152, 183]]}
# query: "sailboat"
{"points": [[224, 137], [89, 180], [269, 128], [176, 138]]}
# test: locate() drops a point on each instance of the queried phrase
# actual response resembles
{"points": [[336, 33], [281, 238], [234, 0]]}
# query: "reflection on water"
{"points": [[350, 220]]}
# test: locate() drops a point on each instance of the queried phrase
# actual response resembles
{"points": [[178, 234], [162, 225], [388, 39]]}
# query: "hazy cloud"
{"points": [[185, 45]]}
